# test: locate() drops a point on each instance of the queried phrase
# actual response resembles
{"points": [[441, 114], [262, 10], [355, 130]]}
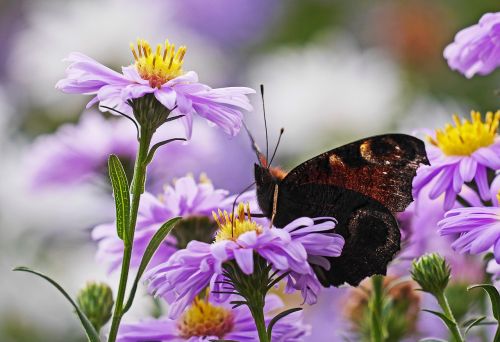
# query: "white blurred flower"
{"points": [[327, 89]]}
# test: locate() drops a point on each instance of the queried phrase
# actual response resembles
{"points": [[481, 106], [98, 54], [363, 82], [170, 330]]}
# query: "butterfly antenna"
{"points": [[265, 120], [234, 205], [276, 148], [255, 147]]}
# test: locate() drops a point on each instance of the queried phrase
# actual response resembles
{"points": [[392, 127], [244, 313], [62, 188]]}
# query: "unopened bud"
{"points": [[96, 301], [431, 272]]}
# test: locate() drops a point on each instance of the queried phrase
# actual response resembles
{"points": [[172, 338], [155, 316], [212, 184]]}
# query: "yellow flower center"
{"points": [[204, 319], [467, 136], [159, 67], [230, 228]]}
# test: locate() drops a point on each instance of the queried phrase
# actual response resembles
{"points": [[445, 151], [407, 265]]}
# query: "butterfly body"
{"points": [[362, 185]]}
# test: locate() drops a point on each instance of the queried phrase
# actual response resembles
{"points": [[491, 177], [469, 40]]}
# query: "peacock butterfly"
{"points": [[361, 184]]}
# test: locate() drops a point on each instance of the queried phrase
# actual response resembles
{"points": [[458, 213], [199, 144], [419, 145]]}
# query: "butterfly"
{"points": [[362, 185]]}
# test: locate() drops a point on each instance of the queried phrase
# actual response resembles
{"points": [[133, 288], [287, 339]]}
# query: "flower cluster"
{"points": [[193, 201], [208, 320], [189, 271]]}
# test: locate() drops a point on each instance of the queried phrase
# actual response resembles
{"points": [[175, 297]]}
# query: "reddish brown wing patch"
{"points": [[381, 167]]}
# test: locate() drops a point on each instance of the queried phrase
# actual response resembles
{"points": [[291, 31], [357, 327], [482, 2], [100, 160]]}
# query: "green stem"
{"points": [[377, 329], [137, 188], [258, 317], [443, 303]]}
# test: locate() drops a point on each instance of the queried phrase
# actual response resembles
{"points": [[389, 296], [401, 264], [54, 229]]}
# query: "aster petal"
{"points": [[481, 179], [187, 122], [218, 250], [188, 77], [248, 239], [486, 156], [449, 198], [444, 181], [134, 91], [467, 168], [299, 222], [184, 103], [166, 96], [244, 258], [486, 239], [148, 330], [130, 72], [424, 175]]}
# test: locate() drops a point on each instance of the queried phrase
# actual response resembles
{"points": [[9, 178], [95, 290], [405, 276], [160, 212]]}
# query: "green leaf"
{"points": [[449, 323], [277, 318], [92, 334], [494, 297], [122, 197], [472, 323], [153, 245]]}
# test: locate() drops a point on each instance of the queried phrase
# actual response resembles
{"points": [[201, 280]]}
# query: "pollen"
{"points": [[467, 136], [231, 227], [204, 319], [159, 66]]}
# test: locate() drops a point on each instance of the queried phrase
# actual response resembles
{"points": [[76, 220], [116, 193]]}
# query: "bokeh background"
{"points": [[333, 71]]}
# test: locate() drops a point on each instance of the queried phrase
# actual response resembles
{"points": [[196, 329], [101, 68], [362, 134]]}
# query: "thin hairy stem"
{"points": [[137, 188]]}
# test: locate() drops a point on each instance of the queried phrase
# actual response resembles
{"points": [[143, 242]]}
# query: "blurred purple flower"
{"points": [[206, 320], [228, 22], [185, 198], [478, 229], [476, 49], [420, 236], [189, 271], [75, 153], [159, 73], [458, 155]]}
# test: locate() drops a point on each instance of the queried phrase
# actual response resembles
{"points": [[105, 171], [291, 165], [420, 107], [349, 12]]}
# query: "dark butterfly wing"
{"points": [[381, 167], [361, 184], [370, 230]]}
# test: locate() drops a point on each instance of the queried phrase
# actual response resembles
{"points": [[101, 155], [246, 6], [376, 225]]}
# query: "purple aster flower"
{"points": [[185, 198], [478, 229], [206, 320], [476, 49], [160, 74], [190, 270], [458, 155]]}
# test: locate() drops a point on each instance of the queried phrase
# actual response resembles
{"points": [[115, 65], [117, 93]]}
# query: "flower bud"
{"points": [[431, 272], [96, 301]]}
